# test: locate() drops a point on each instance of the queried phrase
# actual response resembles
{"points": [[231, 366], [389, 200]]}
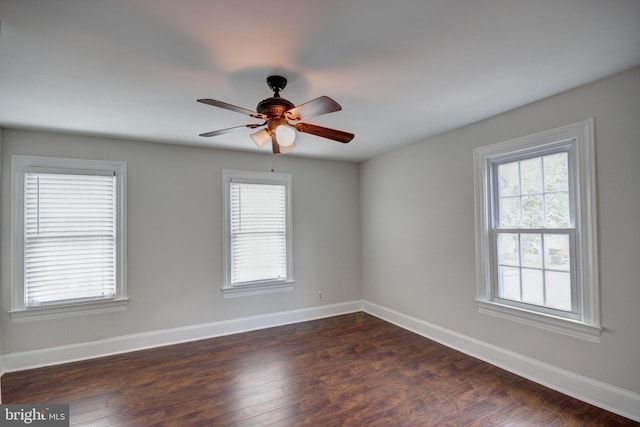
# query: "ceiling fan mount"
{"points": [[275, 106], [279, 115], [276, 84]]}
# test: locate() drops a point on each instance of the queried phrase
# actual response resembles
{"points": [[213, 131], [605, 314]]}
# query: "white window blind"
{"points": [[258, 215], [70, 237]]}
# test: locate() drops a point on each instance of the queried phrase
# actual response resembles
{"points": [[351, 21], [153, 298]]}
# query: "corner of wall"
{"points": [[606, 396]]}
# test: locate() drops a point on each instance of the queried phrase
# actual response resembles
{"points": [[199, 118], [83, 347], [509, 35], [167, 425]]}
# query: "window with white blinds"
{"points": [[258, 231], [69, 236]]}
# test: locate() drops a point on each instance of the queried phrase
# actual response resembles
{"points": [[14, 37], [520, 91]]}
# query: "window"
{"points": [[536, 230], [257, 232], [68, 237]]}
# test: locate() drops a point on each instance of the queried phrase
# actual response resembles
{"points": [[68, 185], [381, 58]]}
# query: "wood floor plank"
{"points": [[350, 370]]}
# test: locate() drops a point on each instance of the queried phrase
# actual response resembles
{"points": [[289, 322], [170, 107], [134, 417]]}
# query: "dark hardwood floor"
{"points": [[350, 370]]}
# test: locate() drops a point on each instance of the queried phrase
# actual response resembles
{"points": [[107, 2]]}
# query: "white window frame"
{"points": [[585, 323], [20, 165], [269, 178]]}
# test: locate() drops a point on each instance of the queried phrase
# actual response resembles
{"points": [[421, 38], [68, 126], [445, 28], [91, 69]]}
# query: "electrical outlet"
{"points": [[319, 295]]}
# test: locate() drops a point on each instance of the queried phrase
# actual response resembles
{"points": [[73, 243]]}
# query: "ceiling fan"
{"points": [[281, 117]]}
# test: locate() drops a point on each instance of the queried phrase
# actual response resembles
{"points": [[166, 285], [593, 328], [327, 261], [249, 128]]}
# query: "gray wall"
{"points": [[408, 215], [175, 237], [418, 253], [2, 231]]}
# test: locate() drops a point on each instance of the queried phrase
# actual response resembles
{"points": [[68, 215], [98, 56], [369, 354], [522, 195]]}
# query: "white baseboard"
{"points": [[19, 361], [611, 398], [603, 395]]}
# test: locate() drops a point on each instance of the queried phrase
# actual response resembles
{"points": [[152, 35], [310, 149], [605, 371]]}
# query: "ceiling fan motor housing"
{"points": [[274, 106]]}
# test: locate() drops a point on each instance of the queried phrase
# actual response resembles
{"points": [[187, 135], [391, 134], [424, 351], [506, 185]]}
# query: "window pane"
{"points": [[258, 257], [531, 175], [66, 269], [510, 212], [558, 290], [531, 250], [557, 251], [508, 249], [557, 210], [556, 172], [532, 211], [532, 286], [508, 179], [509, 283], [257, 208]]}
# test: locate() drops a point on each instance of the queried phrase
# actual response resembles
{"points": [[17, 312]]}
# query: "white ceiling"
{"points": [[402, 70]]}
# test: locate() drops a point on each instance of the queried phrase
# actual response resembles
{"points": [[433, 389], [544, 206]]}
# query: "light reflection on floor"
{"points": [[263, 386]]}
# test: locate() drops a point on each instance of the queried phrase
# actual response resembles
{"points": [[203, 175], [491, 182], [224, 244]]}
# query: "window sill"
{"points": [[560, 325], [257, 289], [80, 309]]}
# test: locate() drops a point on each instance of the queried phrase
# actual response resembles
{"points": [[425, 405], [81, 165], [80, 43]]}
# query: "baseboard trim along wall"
{"points": [[603, 395], [611, 398], [19, 361]]}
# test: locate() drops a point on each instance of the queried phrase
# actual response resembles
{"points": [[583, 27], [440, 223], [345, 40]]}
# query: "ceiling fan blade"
{"points": [[315, 107], [235, 108], [233, 129], [336, 135]]}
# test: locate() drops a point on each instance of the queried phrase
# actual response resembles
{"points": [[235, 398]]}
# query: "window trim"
{"points": [[19, 165], [262, 287], [581, 134]]}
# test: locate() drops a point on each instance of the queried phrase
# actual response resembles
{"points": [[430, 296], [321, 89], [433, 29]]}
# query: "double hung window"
{"points": [[536, 230], [257, 232], [68, 236]]}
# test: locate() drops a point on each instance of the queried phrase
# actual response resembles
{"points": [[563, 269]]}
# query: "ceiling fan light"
{"points": [[286, 136], [287, 148], [261, 137]]}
